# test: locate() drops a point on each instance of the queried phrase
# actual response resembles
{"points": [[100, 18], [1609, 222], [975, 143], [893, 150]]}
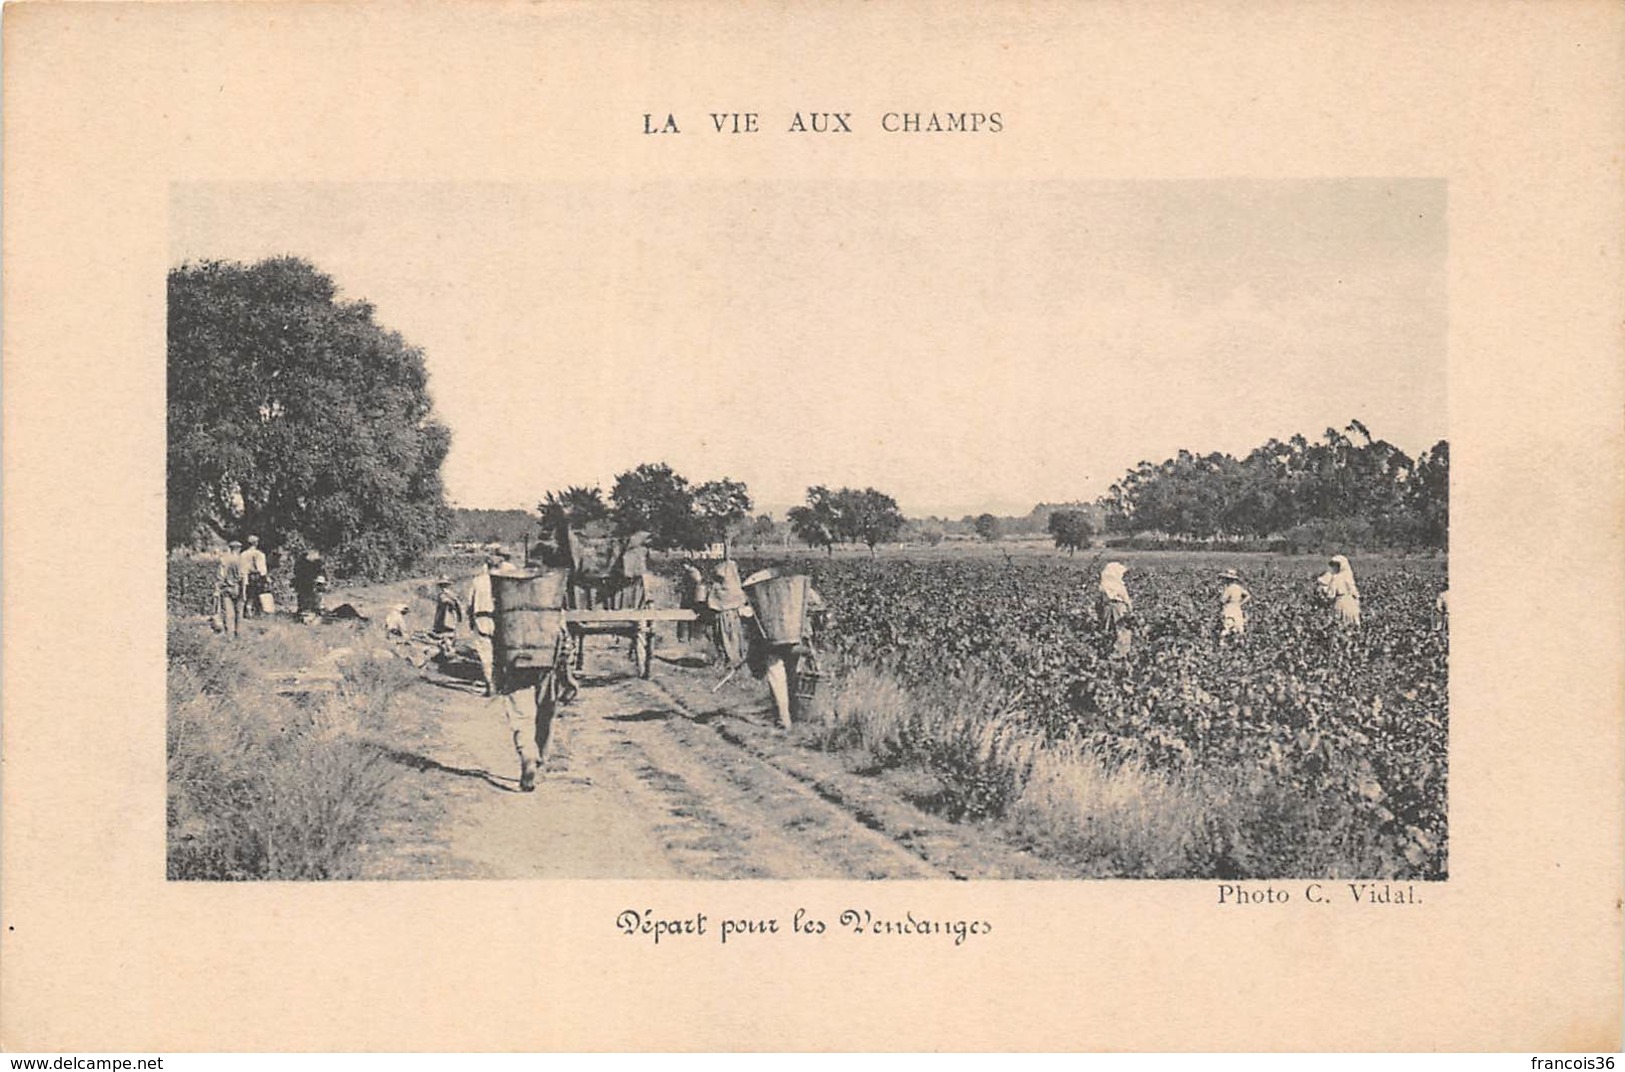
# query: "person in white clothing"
{"points": [[482, 620], [1233, 598], [256, 576], [1115, 608], [1337, 587]]}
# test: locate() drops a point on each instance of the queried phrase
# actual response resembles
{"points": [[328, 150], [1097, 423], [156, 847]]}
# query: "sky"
{"points": [[962, 346]]}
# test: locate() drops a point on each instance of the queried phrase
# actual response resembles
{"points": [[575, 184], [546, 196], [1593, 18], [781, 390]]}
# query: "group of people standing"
{"points": [[1335, 589], [242, 585]]}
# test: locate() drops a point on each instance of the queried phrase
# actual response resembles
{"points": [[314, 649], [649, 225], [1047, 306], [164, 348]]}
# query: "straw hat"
{"points": [[1229, 575], [759, 576], [444, 581]]}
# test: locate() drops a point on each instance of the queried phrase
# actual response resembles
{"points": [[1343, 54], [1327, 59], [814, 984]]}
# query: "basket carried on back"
{"points": [[780, 604], [529, 615]]}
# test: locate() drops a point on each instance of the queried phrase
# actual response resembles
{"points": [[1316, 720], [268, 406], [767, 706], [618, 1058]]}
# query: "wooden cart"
{"points": [[634, 623]]}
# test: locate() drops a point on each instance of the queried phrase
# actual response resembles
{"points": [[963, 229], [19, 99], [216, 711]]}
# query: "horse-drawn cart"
{"points": [[634, 623]]}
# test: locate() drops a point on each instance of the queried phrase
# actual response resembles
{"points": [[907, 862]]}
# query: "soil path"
{"points": [[665, 778]]}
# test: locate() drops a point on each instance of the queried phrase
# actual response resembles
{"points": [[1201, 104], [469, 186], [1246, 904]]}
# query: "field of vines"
{"points": [[1320, 751]]}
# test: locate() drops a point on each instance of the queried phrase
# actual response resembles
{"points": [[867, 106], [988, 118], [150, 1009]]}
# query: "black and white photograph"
{"points": [[924, 530]]}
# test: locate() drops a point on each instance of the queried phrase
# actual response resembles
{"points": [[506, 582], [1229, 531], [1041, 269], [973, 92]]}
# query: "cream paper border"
{"points": [[1518, 107]]}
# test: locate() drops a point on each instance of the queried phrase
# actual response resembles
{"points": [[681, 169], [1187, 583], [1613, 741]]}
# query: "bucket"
{"points": [[529, 615], [779, 603], [808, 675]]}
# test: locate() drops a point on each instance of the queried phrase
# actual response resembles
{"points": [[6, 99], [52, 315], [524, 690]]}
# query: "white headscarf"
{"points": [[1111, 584], [1342, 583]]}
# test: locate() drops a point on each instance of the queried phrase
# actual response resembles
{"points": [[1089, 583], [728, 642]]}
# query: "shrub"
{"points": [[261, 785]]}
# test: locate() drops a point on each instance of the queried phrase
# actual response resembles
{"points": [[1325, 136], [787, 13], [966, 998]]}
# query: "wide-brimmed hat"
{"points": [[234, 544], [252, 540], [1229, 575], [759, 576], [443, 581]]}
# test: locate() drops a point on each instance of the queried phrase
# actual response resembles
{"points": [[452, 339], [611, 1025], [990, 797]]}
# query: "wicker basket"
{"points": [[780, 604], [529, 615]]}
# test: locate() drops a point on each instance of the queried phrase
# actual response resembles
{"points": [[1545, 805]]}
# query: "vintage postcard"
{"points": [[856, 527]]}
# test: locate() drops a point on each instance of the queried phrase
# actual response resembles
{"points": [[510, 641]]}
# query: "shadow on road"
{"points": [[424, 763], [651, 714]]}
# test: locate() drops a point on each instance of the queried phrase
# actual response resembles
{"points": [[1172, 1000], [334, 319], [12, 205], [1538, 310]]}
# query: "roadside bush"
{"points": [[263, 786]]}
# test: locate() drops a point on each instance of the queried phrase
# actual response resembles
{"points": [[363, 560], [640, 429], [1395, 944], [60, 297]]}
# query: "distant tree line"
{"points": [[294, 415], [1347, 487]]}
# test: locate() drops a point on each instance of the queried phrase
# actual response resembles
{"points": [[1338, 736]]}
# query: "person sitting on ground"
{"points": [[395, 622]]}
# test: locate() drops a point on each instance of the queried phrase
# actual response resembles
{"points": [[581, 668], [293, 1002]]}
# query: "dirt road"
{"points": [[662, 778]]}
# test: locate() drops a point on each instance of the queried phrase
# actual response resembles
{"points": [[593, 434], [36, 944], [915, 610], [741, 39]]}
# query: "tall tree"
{"points": [[653, 498], [575, 505], [818, 523], [763, 531], [987, 526], [721, 506], [868, 517], [293, 414], [1070, 529]]}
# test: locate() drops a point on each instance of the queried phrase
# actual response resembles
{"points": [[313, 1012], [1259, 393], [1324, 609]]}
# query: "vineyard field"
{"points": [[1312, 751]]}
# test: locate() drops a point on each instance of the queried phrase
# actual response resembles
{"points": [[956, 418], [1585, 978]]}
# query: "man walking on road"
{"points": [[256, 576], [229, 590], [482, 619]]}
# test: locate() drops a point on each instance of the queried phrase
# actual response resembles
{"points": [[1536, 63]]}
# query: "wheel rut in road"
{"points": [[659, 779]]}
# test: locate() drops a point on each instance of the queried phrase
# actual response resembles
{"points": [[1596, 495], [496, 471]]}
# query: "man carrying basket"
{"points": [[530, 650], [788, 612]]}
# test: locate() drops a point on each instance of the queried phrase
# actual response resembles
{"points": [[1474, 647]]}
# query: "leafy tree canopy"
{"points": [[1070, 529], [294, 415]]}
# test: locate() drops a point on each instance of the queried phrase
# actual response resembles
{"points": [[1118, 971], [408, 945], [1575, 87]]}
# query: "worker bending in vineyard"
{"points": [[1337, 587], [1116, 609], [777, 647], [1232, 599]]}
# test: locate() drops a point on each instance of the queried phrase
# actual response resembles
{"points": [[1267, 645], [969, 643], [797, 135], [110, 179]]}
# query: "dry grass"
{"points": [[993, 764], [269, 786]]}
